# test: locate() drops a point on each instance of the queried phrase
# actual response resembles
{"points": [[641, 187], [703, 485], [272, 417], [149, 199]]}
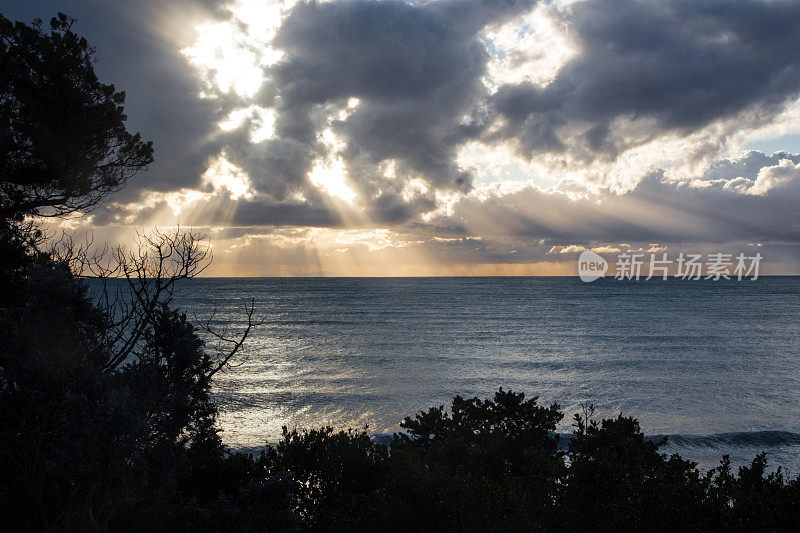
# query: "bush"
{"points": [[90, 447], [494, 465]]}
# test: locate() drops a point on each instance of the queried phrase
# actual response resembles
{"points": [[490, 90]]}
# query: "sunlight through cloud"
{"points": [[222, 174], [232, 54], [262, 121]]}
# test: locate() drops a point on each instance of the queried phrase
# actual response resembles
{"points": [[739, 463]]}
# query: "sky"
{"points": [[453, 137]]}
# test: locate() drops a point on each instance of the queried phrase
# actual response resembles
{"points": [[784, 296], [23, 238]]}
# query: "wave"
{"points": [[747, 441], [718, 441], [744, 439]]}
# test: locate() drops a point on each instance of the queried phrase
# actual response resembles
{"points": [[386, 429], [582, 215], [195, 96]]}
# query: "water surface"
{"points": [[713, 363]]}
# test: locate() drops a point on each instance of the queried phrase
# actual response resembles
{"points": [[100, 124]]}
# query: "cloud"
{"points": [[643, 69], [416, 71], [721, 209], [475, 132], [783, 178], [724, 210]]}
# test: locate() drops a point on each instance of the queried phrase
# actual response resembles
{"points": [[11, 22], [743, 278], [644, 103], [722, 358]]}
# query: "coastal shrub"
{"points": [[617, 480], [495, 465], [132, 448], [328, 470]]}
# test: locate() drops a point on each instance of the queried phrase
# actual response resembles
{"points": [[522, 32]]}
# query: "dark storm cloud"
{"points": [[255, 213], [682, 64], [383, 50], [416, 69], [277, 167]]}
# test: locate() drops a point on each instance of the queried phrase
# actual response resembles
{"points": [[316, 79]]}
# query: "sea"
{"points": [[712, 365]]}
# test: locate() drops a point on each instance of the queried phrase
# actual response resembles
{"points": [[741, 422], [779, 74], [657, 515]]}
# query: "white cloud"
{"points": [[777, 177], [532, 47]]}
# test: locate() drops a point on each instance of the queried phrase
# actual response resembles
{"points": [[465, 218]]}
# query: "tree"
{"points": [[106, 416], [63, 141], [105, 403]]}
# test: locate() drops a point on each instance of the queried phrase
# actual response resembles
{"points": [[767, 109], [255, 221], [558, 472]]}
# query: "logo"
{"points": [[635, 266], [591, 266]]}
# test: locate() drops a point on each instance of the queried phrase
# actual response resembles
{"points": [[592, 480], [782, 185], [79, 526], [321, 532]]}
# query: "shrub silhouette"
{"points": [[618, 480], [462, 471]]}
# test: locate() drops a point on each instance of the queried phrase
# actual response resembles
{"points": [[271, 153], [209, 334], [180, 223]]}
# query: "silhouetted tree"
{"points": [[105, 407], [63, 141]]}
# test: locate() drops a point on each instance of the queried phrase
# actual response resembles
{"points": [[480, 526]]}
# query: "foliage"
{"points": [[106, 419], [87, 446], [63, 142], [327, 469], [473, 469], [618, 480]]}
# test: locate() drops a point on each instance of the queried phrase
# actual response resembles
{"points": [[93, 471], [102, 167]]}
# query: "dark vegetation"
{"points": [[106, 421]]}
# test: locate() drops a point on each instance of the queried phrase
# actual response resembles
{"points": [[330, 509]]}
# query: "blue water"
{"points": [[716, 365]]}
